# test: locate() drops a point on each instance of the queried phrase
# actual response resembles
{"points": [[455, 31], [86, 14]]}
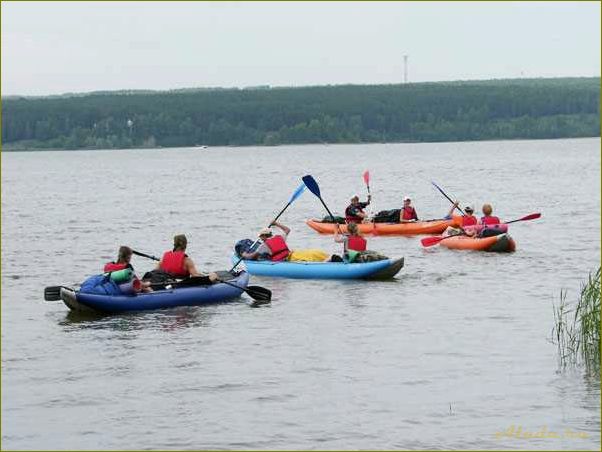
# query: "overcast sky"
{"points": [[58, 47]]}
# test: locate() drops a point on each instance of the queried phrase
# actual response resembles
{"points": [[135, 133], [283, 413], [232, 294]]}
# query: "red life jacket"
{"points": [[356, 243], [469, 220], [277, 246], [173, 263], [349, 217], [490, 220], [408, 214], [113, 267]]}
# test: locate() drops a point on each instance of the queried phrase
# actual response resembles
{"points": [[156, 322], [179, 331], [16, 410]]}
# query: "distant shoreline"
{"points": [[200, 148]]}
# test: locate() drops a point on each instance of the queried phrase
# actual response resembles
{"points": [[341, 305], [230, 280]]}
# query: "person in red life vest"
{"points": [[273, 246], [178, 264], [407, 213], [124, 256], [354, 213], [489, 219], [465, 220], [353, 242]]}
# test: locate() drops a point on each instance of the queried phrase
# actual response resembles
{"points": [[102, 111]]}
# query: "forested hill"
{"points": [[444, 111]]}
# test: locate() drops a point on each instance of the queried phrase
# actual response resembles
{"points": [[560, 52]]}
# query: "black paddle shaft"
{"points": [[138, 253], [327, 209], [448, 198], [281, 212]]}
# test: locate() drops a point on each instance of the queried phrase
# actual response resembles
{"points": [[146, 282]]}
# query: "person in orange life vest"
{"points": [[178, 264], [354, 213], [124, 256], [488, 219], [273, 246], [408, 213], [352, 241]]}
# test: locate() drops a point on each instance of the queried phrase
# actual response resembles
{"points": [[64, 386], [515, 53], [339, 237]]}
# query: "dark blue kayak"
{"points": [[160, 299]]}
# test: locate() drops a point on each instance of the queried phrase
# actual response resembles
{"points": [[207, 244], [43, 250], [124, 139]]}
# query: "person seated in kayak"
{"points": [[274, 247], [353, 243], [354, 213], [124, 257], [178, 264], [487, 218], [465, 220], [407, 213], [461, 222]]}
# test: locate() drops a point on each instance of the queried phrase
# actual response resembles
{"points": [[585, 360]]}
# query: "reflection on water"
{"points": [[165, 319], [329, 364]]}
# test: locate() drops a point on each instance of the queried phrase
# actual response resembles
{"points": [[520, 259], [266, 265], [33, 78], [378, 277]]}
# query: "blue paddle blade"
{"points": [[300, 189], [311, 184]]}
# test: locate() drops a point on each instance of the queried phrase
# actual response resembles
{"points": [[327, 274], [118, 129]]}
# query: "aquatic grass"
{"points": [[577, 329]]}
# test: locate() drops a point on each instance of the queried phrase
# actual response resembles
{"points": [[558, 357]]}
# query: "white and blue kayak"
{"points": [[159, 299], [383, 269]]}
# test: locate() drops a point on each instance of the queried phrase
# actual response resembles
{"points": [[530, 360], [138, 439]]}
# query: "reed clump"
{"points": [[577, 328]]}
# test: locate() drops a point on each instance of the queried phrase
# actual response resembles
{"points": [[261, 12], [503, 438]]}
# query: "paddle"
{"points": [[300, 189], [367, 181], [532, 216], [430, 241], [313, 187], [258, 293], [448, 198], [53, 293], [138, 253]]}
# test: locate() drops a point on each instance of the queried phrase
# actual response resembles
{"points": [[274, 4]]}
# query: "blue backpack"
{"points": [[100, 285]]}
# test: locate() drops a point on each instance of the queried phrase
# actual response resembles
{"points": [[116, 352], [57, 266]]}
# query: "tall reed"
{"points": [[577, 329]]}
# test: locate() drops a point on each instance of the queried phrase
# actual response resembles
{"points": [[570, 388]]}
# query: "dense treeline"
{"points": [[446, 111]]}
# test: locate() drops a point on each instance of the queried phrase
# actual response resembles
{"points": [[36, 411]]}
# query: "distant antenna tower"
{"points": [[405, 69]]}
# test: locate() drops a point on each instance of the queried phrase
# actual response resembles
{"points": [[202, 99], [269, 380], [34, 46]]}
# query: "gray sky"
{"points": [[57, 47]]}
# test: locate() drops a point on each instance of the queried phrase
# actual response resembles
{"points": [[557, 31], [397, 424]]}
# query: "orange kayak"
{"points": [[417, 227], [500, 243]]}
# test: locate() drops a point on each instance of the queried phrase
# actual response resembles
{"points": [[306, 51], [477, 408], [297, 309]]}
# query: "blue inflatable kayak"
{"points": [[160, 299], [384, 269]]}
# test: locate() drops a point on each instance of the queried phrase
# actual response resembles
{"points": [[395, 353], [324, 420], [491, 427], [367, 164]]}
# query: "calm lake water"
{"points": [[451, 354]]}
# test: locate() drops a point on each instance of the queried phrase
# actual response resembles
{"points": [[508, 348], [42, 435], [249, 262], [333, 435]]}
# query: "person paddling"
{"points": [[407, 213], [353, 242], [273, 246], [124, 257], [354, 213], [466, 220], [178, 264], [487, 218]]}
